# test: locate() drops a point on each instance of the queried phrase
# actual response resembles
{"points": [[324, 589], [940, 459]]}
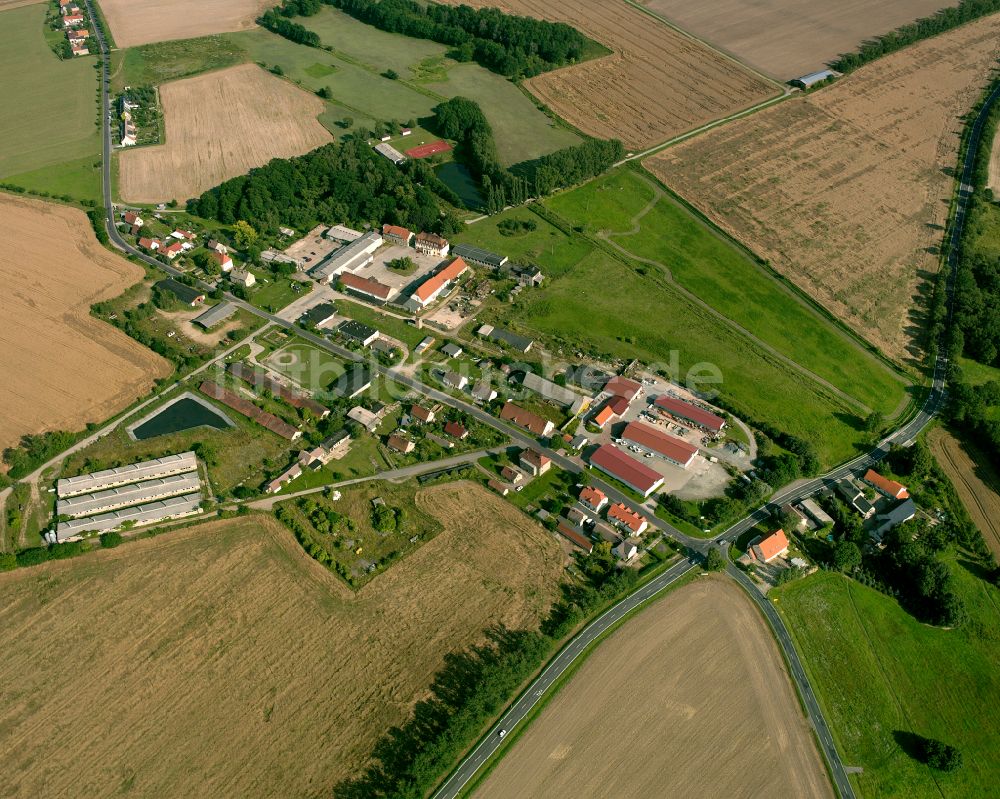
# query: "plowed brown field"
{"points": [[222, 661], [688, 699], [976, 480], [657, 83], [218, 126], [61, 367], [148, 21], [788, 38], [846, 190]]}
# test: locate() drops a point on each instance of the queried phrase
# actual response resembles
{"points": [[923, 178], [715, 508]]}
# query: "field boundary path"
{"points": [[903, 435]]}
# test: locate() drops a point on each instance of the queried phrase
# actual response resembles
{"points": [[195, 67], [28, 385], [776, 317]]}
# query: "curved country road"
{"points": [[557, 666]]}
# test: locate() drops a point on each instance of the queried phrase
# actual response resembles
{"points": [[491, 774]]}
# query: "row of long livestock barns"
{"points": [[136, 494]]}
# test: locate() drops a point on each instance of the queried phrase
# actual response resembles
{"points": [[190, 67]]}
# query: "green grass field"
{"points": [[390, 325], [49, 106], [79, 179], [312, 368], [708, 266], [877, 672], [153, 64], [272, 293]]}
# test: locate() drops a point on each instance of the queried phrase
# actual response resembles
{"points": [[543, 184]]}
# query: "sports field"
{"points": [[880, 675], [62, 368], [223, 661], [689, 698], [49, 106], [159, 20], [789, 38], [636, 215], [218, 127], [657, 82], [312, 368], [846, 190]]}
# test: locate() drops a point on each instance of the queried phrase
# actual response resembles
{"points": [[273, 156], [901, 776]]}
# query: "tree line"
{"points": [[475, 684], [463, 121], [513, 46], [342, 181], [924, 28]]}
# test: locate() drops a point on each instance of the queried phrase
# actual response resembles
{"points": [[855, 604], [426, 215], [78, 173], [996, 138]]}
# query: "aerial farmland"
{"points": [[845, 191], [657, 83], [164, 20], [217, 128]]}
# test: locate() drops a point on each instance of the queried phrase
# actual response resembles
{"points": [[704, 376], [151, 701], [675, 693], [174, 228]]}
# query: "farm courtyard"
{"points": [[846, 190], [222, 660]]}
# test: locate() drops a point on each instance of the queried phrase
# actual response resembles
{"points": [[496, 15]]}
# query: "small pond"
{"points": [[457, 178], [184, 414]]}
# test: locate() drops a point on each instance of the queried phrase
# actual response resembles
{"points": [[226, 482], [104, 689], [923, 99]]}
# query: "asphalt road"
{"points": [[557, 666], [568, 654]]}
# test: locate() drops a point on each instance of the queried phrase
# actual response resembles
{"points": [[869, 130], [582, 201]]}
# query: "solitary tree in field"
{"points": [[715, 561]]}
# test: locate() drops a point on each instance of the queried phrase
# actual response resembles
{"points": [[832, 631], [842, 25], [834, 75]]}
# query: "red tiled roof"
{"points": [[628, 517], [569, 531], [146, 242], [531, 422], [887, 486], [623, 387], [433, 284], [399, 443], [365, 285], [536, 459], [221, 257], [131, 217], [396, 230], [422, 413], [455, 430], [685, 410], [772, 546], [626, 468], [603, 416], [175, 247], [593, 497], [668, 446]]}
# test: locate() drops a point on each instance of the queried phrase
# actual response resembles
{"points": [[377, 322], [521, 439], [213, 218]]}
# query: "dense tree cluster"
{"points": [[344, 182], [281, 25], [972, 410], [924, 28], [463, 121], [510, 45], [34, 450]]}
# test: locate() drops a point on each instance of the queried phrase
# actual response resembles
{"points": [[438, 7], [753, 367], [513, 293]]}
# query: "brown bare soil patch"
{"points": [[976, 480], [220, 125], [148, 21], [657, 83], [690, 698], [222, 661], [61, 367], [846, 190], [789, 38]]}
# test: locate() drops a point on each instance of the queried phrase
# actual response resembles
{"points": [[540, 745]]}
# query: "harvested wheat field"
{"points": [[220, 125], [789, 38], [657, 82], [976, 480], [690, 698], [62, 368], [222, 661], [148, 21], [846, 190]]}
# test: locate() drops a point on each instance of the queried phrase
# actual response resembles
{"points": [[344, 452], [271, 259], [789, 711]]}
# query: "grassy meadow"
{"points": [[636, 215], [49, 106], [878, 673]]}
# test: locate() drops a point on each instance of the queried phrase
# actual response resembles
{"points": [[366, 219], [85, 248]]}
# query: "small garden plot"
{"points": [[362, 533]]}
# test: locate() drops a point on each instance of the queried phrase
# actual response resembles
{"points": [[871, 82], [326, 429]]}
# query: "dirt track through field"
{"points": [[689, 699], [656, 83], [148, 21], [222, 661], [846, 190], [61, 367], [976, 480], [218, 126], [788, 38]]}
